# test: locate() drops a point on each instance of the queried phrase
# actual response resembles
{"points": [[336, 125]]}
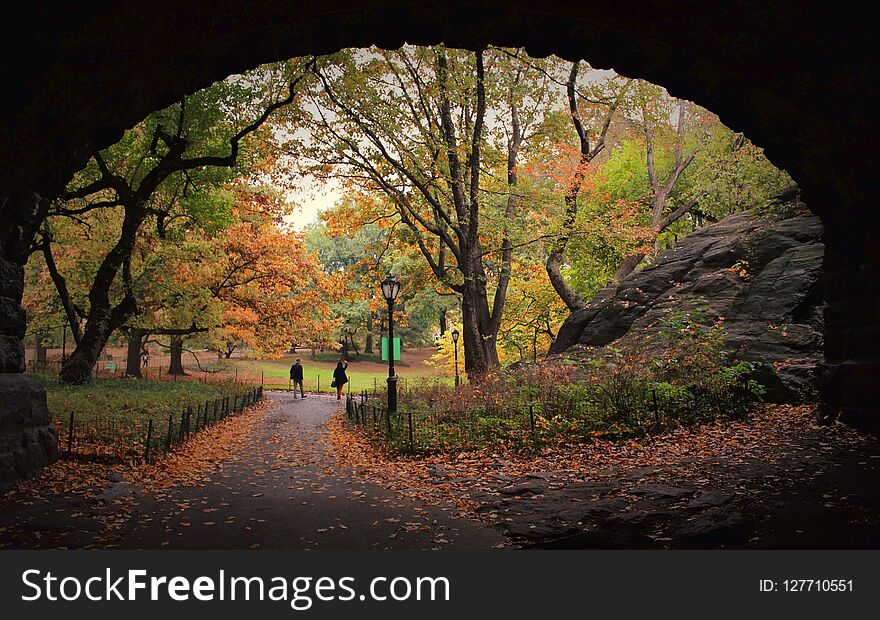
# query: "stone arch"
{"points": [[800, 81]]}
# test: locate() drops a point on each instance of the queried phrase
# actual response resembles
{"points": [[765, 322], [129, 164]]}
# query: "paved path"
{"points": [[283, 492], [778, 481]]}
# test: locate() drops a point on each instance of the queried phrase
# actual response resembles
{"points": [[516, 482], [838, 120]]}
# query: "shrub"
{"points": [[686, 379]]}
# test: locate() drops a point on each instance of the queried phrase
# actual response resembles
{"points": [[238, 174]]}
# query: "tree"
{"points": [[590, 145], [654, 108], [731, 175], [189, 148], [684, 164], [412, 125], [352, 258], [254, 284]]}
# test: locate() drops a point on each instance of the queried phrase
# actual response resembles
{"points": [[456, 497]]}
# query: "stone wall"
{"points": [[27, 440], [12, 317], [850, 383]]}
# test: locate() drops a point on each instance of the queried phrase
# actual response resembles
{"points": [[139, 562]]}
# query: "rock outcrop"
{"points": [[760, 274]]}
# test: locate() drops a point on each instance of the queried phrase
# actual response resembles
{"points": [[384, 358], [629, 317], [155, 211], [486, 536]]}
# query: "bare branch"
{"points": [[230, 159], [60, 286], [677, 214]]}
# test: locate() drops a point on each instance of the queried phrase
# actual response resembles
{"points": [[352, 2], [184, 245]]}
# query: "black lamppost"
{"points": [[390, 290], [455, 340]]}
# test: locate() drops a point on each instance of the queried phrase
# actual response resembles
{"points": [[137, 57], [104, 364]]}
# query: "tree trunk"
{"points": [[569, 297], [40, 350], [104, 318], [627, 266], [133, 357], [176, 352], [345, 348], [480, 352], [61, 287], [555, 260], [77, 368], [100, 325], [368, 345], [535, 346], [475, 362], [661, 190], [442, 323]]}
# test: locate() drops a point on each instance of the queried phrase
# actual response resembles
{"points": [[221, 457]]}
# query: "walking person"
{"points": [[296, 375], [340, 378]]}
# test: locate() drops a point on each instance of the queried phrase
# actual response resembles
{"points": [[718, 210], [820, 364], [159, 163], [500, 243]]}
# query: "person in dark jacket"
{"points": [[340, 378], [296, 375]]}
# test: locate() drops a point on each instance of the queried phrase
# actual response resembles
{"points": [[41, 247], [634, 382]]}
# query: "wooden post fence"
{"points": [[70, 435], [168, 438]]}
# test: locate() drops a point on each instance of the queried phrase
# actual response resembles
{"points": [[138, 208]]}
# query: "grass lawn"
{"points": [[364, 374], [116, 412]]}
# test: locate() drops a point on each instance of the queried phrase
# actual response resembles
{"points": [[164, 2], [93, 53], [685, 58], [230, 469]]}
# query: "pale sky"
{"points": [[310, 203]]}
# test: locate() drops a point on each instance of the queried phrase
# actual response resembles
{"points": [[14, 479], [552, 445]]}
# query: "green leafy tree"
{"points": [[173, 164]]}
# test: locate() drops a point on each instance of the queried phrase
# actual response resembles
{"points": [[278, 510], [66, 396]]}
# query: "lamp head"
{"points": [[454, 335], [390, 288]]}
